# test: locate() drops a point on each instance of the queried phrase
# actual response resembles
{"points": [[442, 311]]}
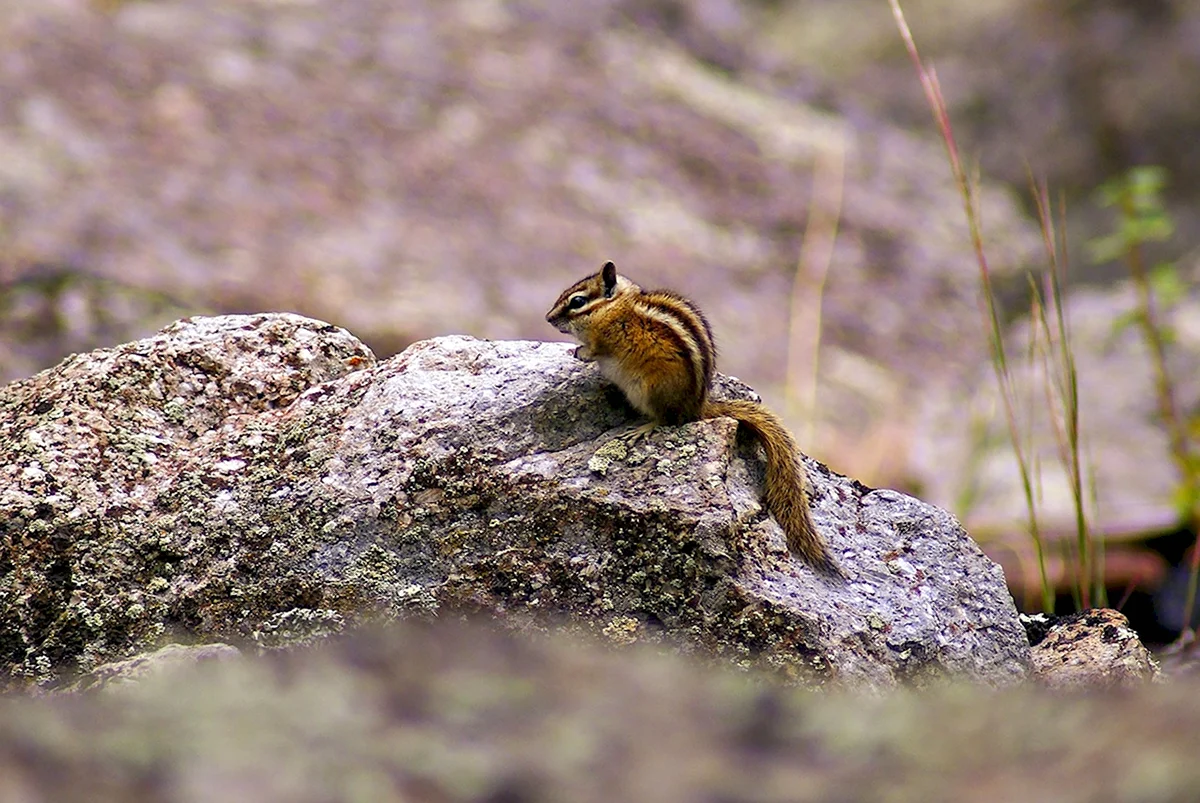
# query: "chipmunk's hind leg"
{"points": [[635, 435]]}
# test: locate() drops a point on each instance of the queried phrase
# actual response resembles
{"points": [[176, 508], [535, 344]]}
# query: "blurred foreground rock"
{"points": [[165, 661], [261, 478], [445, 713]]}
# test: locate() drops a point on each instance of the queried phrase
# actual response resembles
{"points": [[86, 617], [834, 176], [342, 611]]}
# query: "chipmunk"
{"points": [[658, 348]]}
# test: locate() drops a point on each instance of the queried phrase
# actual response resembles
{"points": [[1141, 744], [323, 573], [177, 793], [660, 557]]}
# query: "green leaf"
{"points": [[1147, 179], [1154, 225], [1125, 320], [1107, 248], [1167, 285], [1141, 216], [1185, 500]]}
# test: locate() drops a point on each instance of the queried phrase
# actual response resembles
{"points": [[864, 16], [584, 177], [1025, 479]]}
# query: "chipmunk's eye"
{"points": [[577, 301]]}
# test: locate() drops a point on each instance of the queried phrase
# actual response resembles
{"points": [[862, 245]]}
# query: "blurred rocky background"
{"points": [[410, 168]]}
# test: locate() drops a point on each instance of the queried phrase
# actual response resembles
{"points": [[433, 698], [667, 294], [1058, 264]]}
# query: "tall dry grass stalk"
{"points": [[968, 187], [808, 288]]}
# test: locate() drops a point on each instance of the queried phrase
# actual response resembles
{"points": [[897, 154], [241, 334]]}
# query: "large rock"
{"points": [[246, 476]]}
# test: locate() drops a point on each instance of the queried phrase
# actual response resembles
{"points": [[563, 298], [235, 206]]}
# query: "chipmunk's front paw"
{"points": [[583, 354]]}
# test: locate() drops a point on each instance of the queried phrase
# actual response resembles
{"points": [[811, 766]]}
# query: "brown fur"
{"points": [[786, 496]]}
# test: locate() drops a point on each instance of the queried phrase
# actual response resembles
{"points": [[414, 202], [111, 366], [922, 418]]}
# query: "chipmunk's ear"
{"points": [[608, 274]]}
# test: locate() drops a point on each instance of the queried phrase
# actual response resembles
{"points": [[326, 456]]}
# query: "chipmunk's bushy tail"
{"points": [[786, 496]]}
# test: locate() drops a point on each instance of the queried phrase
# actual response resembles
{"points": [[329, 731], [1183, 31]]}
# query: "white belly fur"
{"points": [[634, 389]]}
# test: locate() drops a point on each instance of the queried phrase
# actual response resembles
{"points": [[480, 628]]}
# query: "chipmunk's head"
{"points": [[582, 299]]}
